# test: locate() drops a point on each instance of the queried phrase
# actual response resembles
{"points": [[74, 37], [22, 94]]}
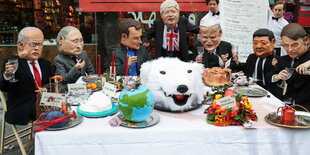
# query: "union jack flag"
{"points": [[173, 39]]}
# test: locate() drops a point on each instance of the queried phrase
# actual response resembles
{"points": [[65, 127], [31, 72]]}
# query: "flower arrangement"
{"points": [[236, 115]]}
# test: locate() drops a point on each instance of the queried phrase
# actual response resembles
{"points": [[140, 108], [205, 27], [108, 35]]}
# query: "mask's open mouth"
{"points": [[179, 99]]}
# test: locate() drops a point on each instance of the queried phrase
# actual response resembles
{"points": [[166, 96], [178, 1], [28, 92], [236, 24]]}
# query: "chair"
{"points": [[5, 140]]}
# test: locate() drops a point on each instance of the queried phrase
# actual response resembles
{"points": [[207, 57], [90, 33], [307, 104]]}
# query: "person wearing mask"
{"points": [[292, 68], [71, 62], [170, 32], [31, 75], [131, 32]]}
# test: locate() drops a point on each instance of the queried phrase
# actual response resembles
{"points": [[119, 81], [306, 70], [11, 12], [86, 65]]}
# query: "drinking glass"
{"points": [[14, 64], [200, 50], [234, 49]]}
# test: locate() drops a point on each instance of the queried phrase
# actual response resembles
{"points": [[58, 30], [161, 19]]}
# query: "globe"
{"points": [[136, 105]]}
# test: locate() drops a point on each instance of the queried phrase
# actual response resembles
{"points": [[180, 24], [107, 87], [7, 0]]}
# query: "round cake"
{"points": [[217, 76], [97, 102]]}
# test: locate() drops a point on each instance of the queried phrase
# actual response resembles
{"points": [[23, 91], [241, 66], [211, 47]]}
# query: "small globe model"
{"points": [[136, 105]]}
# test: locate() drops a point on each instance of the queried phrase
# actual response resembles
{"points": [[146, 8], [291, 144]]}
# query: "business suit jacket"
{"points": [[298, 85], [21, 95], [223, 48], [65, 67], [157, 31], [120, 58], [249, 68]]}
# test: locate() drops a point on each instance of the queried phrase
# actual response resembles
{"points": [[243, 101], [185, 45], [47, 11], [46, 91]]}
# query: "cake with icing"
{"points": [[217, 76], [97, 102]]}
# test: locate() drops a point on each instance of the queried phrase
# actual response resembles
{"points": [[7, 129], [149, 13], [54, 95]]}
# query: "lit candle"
{"points": [[113, 63], [126, 66], [99, 65]]}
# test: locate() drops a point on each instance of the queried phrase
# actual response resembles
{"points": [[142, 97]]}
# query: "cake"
{"points": [[97, 102], [217, 76]]}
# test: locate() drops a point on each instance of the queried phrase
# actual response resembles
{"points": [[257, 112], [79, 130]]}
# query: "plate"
{"points": [[112, 111], [251, 91], [91, 78], [152, 120], [161, 108], [72, 123], [302, 120]]}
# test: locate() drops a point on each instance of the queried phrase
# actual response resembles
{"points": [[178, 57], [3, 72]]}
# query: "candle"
{"points": [[99, 65], [126, 66], [113, 63]]}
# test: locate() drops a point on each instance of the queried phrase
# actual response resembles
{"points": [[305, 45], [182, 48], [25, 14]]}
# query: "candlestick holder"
{"points": [[112, 74]]}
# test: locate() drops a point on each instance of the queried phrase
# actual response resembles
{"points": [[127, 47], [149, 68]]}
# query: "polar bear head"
{"points": [[176, 85]]}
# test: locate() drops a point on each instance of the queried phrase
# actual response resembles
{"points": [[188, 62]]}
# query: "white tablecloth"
{"points": [[177, 133]]}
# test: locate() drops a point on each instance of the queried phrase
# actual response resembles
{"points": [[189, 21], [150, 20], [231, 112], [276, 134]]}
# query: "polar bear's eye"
{"points": [[162, 72], [189, 71]]}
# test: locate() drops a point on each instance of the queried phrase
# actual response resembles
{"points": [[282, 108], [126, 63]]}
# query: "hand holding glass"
{"points": [[14, 64]]}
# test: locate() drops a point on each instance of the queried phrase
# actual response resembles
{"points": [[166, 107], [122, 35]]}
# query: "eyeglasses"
{"points": [[34, 44]]}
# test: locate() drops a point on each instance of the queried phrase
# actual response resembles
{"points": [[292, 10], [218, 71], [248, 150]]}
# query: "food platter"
{"points": [[91, 78], [112, 111], [251, 91], [302, 120], [152, 120], [72, 123]]}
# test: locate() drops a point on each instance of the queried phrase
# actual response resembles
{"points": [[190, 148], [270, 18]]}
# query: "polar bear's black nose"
{"points": [[182, 88]]}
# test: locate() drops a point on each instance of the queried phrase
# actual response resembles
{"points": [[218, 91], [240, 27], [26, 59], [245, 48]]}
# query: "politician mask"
{"points": [[262, 46]]}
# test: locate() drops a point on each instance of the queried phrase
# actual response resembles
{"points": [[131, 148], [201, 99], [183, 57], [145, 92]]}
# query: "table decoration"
{"points": [[238, 114], [135, 103], [286, 116], [150, 121], [251, 91]]}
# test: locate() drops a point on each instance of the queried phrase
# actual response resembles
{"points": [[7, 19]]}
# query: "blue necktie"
{"points": [[133, 67]]}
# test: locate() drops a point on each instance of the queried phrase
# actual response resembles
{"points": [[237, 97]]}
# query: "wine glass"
{"points": [[234, 49], [14, 63], [283, 85], [200, 50]]}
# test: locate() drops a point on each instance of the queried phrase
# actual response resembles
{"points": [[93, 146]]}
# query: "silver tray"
{"points": [[302, 120], [72, 123], [152, 120], [162, 108], [251, 91], [91, 78]]}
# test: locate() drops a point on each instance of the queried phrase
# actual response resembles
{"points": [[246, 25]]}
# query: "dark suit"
{"points": [[21, 95], [209, 60], [298, 85], [65, 67], [249, 68], [120, 59], [157, 31]]}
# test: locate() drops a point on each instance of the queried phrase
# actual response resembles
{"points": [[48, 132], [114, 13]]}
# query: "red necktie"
{"points": [[36, 74]]}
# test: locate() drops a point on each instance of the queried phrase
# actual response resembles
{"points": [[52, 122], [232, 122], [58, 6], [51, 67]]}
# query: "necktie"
{"points": [[36, 74], [213, 13], [274, 18], [260, 72]]}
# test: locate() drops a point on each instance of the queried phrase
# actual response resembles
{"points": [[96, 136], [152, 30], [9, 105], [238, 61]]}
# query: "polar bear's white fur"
{"points": [[176, 85]]}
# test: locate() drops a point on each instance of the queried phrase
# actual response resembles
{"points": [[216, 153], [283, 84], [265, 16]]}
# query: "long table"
{"points": [[178, 133]]}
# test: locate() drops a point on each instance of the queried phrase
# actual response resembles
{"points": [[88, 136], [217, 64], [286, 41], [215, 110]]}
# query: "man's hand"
{"points": [[80, 64], [146, 44], [283, 75], [235, 57], [132, 59], [274, 62], [224, 58], [303, 68], [198, 58]]}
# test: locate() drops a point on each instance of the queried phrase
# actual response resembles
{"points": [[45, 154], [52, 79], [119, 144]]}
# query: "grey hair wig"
{"points": [[21, 34], [64, 33], [210, 23]]}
